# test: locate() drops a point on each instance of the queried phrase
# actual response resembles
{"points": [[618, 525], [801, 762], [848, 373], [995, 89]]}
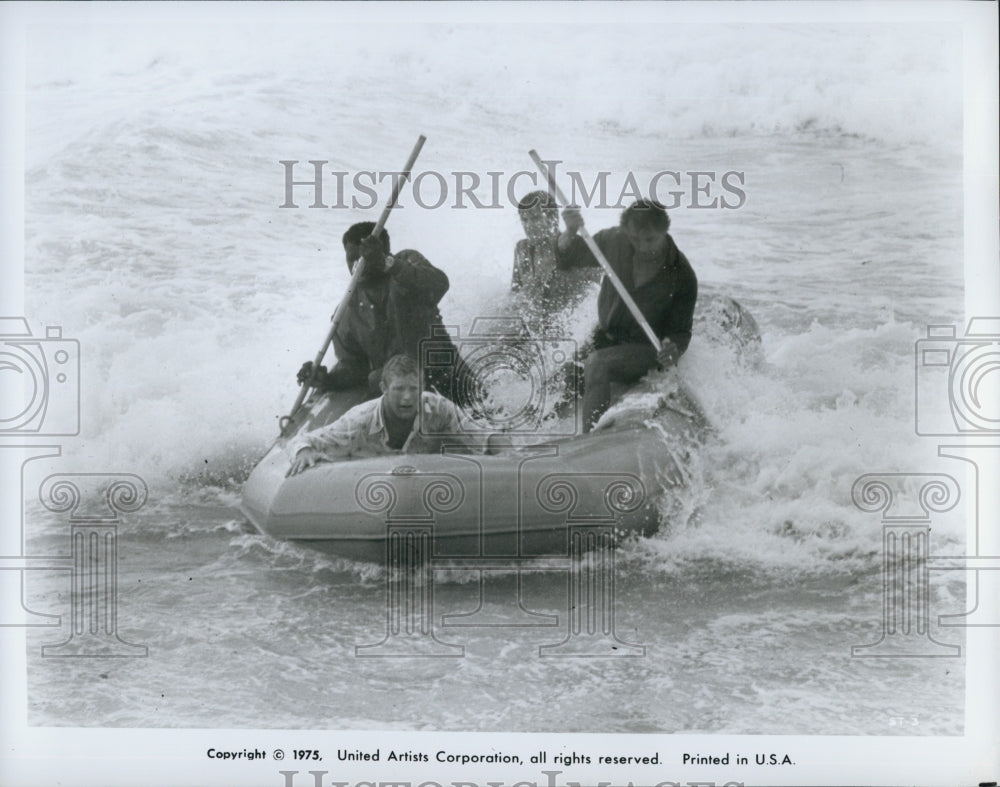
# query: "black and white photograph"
{"points": [[552, 394]]}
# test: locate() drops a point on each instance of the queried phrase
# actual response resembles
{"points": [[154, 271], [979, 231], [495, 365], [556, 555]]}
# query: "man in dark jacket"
{"points": [[393, 308], [661, 282]]}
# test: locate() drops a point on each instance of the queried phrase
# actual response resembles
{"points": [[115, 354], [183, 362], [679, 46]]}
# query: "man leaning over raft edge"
{"points": [[404, 419]]}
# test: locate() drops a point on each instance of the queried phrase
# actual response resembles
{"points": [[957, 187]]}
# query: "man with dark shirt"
{"points": [[661, 282], [393, 308]]}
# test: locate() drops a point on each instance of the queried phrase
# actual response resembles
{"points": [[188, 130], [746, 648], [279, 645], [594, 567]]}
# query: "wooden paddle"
{"points": [[353, 284], [598, 255]]}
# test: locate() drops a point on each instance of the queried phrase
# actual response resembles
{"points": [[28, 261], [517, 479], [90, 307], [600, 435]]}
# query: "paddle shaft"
{"points": [[356, 275], [599, 256]]}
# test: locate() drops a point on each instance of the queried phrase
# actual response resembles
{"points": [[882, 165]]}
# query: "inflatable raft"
{"points": [[520, 503]]}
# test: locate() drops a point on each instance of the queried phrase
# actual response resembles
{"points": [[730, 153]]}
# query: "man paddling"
{"points": [[659, 279], [404, 419], [393, 308], [548, 287]]}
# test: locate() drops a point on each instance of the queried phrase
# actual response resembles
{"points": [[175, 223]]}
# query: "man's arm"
{"points": [[576, 254], [333, 441], [351, 369], [415, 275], [571, 250], [676, 325]]}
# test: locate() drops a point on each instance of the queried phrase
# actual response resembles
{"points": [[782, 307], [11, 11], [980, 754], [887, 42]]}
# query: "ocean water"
{"points": [[155, 238]]}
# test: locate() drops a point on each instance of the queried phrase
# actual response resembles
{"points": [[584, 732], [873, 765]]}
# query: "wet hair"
{"points": [[646, 214], [533, 198], [399, 366], [358, 232]]}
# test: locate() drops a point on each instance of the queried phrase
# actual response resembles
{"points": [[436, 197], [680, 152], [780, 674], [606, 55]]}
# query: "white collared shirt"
{"points": [[361, 431]]}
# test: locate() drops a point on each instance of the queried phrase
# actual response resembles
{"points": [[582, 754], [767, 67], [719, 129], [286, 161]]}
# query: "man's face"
{"points": [[650, 244], [353, 253], [539, 223], [402, 396]]}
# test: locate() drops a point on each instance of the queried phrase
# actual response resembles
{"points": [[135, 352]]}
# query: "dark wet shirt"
{"points": [[667, 301], [386, 317]]}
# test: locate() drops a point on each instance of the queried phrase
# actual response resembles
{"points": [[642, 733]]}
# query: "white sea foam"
{"points": [[154, 235], [895, 82]]}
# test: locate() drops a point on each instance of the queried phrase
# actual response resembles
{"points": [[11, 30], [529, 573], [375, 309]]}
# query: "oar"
{"points": [[355, 278], [599, 256]]}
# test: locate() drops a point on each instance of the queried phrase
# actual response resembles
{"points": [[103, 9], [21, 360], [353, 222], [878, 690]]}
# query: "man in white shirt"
{"points": [[386, 425]]}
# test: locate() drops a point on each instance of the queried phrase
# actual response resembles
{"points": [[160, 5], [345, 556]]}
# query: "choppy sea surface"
{"points": [[154, 237]]}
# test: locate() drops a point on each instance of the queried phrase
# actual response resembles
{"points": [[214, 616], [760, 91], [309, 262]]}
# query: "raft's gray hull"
{"points": [[521, 503]]}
